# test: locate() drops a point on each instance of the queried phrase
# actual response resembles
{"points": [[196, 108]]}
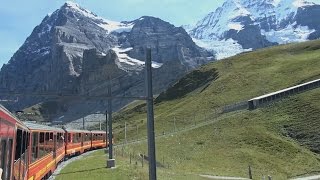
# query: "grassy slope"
{"points": [[240, 78], [259, 137], [93, 167]]}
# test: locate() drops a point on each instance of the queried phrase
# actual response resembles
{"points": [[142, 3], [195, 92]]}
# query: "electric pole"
{"points": [[110, 161], [150, 118]]}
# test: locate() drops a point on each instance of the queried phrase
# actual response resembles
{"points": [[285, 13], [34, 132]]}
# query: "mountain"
{"points": [[244, 25], [73, 51]]}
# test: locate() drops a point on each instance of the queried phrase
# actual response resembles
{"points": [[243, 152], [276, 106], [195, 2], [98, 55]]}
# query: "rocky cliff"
{"points": [[73, 52]]}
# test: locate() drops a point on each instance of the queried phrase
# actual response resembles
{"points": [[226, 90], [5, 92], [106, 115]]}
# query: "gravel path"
{"points": [[317, 177], [63, 164], [223, 177]]}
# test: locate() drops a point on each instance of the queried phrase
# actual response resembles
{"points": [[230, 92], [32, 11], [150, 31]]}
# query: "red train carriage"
{"points": [[47, 149], [98, 139], [77, 141], [13, 147]]}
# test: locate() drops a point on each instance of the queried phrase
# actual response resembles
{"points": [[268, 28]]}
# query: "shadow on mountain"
{"points": [[189, 83]]}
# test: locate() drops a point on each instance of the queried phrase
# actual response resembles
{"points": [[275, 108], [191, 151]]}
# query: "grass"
{"points": [[94, 167], [281, 140], [256, 138]]}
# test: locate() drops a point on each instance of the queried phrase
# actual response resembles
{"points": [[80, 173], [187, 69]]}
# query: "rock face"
{"points": [[243, 25], [167, 42], [73, 51]]}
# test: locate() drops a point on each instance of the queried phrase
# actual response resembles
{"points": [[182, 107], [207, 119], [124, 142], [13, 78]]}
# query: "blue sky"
{"points": [[19, 17]]}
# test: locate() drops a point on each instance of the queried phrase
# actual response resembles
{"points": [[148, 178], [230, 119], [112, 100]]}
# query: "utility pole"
{"points": [[107, 135], [150, 118], [110, 161], [83, 123], [125, 131]]}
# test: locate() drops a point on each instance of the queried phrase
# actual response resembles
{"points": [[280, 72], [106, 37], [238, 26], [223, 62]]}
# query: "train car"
{"points": [[98, 139], [46, 150], [77, 141], [14, 138]]}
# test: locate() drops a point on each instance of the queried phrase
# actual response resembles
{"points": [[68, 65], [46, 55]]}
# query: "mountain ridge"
{"points": [[245, 25]]}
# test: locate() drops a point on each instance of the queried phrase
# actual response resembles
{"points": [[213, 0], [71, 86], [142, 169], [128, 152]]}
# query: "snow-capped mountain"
{"points": [[72, 51], [243, 25]]}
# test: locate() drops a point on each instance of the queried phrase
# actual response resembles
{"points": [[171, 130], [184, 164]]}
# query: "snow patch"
{"points": [[288, 34], [239, 11], [45, 29], [301, 3], [113, 26], [223, 48], [43, 51], [85, 12], [275, 2], [235, 26], [124, 59], [108, 25]]}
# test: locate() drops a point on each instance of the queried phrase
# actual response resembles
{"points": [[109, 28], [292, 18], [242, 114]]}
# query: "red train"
{"points": [[31, 151]]}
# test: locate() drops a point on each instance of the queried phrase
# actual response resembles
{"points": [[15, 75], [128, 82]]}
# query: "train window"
{"points": [[47, 142], [1, 151], [27, 148], [41, 138], [61, 137], [58, 138], [3, 158], [24, 153], [74, 138], [34, 148], [9, 151], [18, 144], [69, 137], [42, 146], [88, 137]]}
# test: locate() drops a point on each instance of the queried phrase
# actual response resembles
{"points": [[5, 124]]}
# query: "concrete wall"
{"points": [[258, 102]]}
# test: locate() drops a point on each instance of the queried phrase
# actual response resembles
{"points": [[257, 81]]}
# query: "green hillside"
{"points": [[228, 81], [268, 139]]}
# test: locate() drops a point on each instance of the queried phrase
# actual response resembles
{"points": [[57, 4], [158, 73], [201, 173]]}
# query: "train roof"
{"points": [[12, 117], [76, 130], [283, 90], [34, 126], [96, 131]]}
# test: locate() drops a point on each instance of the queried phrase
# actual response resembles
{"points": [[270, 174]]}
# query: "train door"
{"points": [[21, 154], [6, 143]]}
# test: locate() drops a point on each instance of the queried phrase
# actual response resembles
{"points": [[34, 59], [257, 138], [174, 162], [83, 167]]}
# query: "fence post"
{"points": [[130, 158], [142, 156], [163, 160], [250, 172], [174, 124]]}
